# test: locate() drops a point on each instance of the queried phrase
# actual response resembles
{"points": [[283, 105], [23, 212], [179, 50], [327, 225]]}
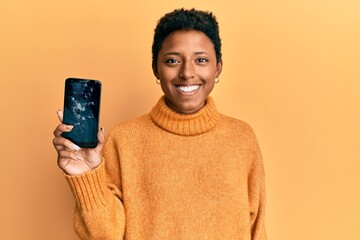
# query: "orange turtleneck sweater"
{"points": [[174, 176]]}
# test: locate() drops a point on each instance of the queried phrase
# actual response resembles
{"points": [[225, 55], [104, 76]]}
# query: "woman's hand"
{"points": [[72, 159]]}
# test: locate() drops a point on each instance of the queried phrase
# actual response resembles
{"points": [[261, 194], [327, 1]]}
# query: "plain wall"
{"points": [[291, 70]]}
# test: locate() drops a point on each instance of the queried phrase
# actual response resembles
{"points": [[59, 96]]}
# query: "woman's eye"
{"points": [[172, 61], [202, 60]]}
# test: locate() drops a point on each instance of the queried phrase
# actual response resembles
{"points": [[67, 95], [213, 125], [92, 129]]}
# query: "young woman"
{"points": [[182, 171]]}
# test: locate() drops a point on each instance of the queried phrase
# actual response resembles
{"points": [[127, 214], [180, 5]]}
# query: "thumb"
{"points": [[101, 139]]}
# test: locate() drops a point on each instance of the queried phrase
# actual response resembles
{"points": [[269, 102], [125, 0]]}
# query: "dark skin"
{"points": [[187, 68]]}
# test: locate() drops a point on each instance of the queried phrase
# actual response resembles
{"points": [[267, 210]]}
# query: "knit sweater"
{"points": [[167, 175]]}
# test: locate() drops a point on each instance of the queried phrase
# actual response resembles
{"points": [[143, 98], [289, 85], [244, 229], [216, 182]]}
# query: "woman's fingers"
{"points": [[63, 162], [58, 147], [101, 135], [63, 154], [61, 143], [101, 140], [60, 115], [62, 128]]}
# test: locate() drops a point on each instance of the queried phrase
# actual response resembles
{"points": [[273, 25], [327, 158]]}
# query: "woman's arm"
{"points": [[256, 191], [99, 213]]}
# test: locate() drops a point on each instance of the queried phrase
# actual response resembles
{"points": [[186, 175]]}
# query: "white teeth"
{"points": [[188, 88]]}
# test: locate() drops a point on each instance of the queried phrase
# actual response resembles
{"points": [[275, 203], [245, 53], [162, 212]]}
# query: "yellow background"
{"points": [[291, 70]]}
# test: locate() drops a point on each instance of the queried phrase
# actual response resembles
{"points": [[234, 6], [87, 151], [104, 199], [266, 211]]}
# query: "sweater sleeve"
{"points": [[99, 213], [256, 191]]}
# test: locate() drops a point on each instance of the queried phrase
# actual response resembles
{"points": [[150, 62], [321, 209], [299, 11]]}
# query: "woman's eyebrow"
{"points": [[178, 54], [199, 53], [172, 53]]}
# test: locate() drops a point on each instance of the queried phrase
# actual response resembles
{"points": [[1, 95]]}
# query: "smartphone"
{"points": [[81, 110]]}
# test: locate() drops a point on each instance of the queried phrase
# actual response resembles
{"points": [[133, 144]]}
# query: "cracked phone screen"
{"points": [[81, 110]]}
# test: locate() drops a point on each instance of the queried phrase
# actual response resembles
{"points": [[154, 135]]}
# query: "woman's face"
{"points": [[187, 68]]}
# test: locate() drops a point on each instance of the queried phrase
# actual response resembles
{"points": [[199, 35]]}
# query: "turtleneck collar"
{"points": [[185, 124]]}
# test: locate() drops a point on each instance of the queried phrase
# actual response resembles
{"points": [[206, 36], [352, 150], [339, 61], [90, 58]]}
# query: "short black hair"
{"points": [[182, 19]]}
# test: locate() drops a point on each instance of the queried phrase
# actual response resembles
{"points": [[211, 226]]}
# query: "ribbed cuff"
{"points": [[89, 189]]}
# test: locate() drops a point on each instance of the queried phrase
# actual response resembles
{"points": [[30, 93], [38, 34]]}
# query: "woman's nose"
{"points": [[187, 70]]}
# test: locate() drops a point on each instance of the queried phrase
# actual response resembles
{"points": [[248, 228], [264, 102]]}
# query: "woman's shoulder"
{"points": [[132, 125], [234, 122], [236, 125]]}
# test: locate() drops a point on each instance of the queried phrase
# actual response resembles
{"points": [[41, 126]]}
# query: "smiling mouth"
{"points": [[188, 89]]}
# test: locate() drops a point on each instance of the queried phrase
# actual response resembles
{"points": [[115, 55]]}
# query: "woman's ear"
{"points": [[219, 66], [155, 71]]}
